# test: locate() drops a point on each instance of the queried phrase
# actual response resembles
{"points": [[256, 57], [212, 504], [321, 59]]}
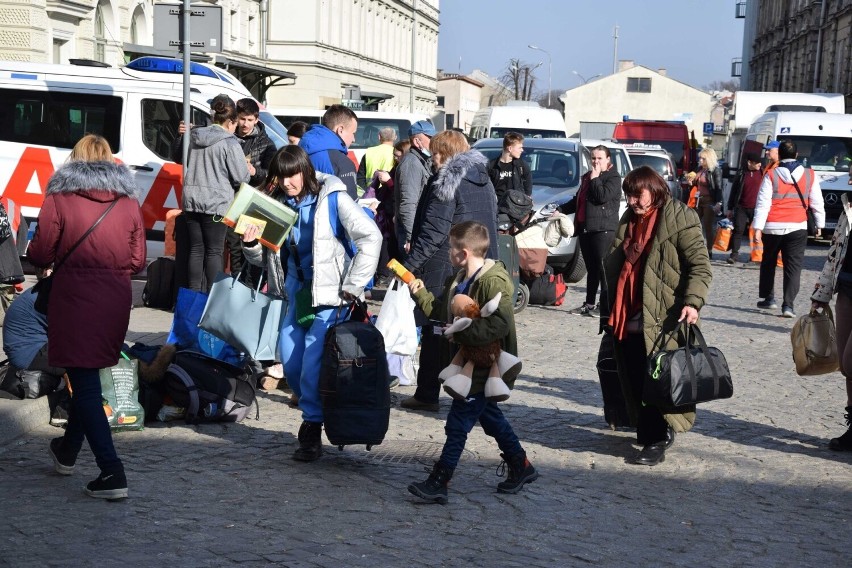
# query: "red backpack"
{"points": [[548, 289]]}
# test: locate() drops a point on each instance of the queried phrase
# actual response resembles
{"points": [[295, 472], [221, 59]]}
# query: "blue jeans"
{"points": [[461, 420], [87, 419], [301, 352]]}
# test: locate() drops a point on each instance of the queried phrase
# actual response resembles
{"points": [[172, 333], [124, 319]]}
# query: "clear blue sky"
{"points": [[694, 40]]}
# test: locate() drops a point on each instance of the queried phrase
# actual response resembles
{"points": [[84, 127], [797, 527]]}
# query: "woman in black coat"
{"points": [[460, 190], [595, 222]]}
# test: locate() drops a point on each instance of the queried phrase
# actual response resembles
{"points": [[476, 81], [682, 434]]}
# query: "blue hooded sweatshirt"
{"points": [[328, 154]]}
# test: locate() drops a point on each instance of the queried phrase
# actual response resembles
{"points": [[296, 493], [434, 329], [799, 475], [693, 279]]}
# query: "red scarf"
{"points": [[628, 291]]}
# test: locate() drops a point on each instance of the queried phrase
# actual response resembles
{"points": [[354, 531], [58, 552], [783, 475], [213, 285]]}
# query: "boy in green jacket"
{"points": [[480, 279]]}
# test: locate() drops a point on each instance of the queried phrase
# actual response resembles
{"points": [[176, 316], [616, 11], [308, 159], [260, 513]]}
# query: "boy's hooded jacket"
{"points": [[216, 166], [460, 191], [329, 155]]}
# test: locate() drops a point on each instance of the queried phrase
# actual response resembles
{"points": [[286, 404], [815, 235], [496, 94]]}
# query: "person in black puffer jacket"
{"points": [[460, 190], [595, 222]]}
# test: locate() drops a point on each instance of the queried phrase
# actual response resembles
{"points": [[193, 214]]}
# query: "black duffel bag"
{"points": [[687, 375]]}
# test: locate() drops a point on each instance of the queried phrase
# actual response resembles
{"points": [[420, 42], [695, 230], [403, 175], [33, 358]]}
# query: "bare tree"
{"points": [[555, 103], [520, 79], [732, 85]]}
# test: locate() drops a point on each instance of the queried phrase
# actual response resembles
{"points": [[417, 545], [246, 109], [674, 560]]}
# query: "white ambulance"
{"points": [[45, 109], [824, 143], [524, 117]]}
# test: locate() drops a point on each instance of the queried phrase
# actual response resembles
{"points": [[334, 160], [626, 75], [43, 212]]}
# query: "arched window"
{"points": [[139, 27], [100, 39]]}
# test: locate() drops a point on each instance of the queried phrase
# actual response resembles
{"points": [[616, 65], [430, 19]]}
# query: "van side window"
{"points": [[55, 119], [367, 134], [160, 121]]}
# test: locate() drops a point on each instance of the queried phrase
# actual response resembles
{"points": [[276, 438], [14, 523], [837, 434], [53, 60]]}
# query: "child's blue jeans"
{"points": [[463, 417]]}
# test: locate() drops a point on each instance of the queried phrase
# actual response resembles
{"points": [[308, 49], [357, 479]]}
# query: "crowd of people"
{"points": [[431, 202]]}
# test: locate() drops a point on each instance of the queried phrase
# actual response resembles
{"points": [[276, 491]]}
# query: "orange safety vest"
{"points": [[786, 204]]}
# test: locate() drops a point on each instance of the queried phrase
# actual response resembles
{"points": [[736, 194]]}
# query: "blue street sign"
{"points": [[708, 128]]}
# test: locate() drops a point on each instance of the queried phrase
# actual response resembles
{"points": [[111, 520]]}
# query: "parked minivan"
{"points": [[369, 124], [46, 108], [523, 117], [824, 142]]}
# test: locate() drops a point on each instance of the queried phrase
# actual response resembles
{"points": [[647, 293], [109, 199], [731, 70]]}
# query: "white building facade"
{"points": [[294, 53], [639, 93]]}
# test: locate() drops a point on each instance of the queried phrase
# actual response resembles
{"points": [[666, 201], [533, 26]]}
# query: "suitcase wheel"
{"points": [[369, 447], [340, 447]]}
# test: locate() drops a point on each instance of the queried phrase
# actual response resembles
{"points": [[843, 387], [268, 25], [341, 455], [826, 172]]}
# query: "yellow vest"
{"points": [[378, 158]]}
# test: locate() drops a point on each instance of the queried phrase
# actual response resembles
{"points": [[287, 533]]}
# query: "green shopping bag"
{"points": [[120, 391]]}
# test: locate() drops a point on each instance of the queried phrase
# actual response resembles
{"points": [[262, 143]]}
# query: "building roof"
{"points": [[458, 77]]}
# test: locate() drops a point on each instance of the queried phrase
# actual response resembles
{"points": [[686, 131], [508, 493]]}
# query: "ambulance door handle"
{"points": [[143, 168]]}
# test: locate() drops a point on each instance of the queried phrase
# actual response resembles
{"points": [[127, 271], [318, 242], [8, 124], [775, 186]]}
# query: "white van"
{"points": [[47, 108], [524, 117], [824, 142], [369, 124]]}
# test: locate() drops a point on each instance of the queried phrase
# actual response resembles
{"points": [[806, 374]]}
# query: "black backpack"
{"points": [[159, 291], [515, 205], [548, 289], [211, 390], [355, 384]]}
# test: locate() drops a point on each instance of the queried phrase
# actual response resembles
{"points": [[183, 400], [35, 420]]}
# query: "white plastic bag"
{"points": [[396, 320]]}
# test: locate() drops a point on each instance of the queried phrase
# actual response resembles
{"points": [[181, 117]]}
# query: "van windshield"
{"points": [[824, 153], [499, 132], [274, 129], [673, 147]]}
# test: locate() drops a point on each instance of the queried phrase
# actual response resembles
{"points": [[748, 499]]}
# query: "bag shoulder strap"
{"points": [[799, 191], [86, 234], [337, 225], [191, 391]]}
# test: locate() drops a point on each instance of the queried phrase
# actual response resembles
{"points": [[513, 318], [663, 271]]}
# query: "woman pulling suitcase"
{"points": [[311, 270]]}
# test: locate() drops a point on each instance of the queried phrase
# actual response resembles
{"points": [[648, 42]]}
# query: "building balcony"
{"points": [[737, 67], [740, 9]]}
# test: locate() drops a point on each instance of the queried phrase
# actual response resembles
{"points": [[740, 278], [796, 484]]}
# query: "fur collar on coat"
{"points": [[72, 177], [470, 165]]}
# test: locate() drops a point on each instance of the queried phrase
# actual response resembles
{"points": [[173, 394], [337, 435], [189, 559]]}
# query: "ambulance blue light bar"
{"points": [[168, 65]]}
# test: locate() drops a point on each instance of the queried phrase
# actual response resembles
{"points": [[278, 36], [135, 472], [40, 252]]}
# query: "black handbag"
{"points": [[687, 375], [45, 285]]}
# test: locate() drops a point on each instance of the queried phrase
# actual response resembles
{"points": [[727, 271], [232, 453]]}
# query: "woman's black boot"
{"points": [[844, 442], [310, 442]]}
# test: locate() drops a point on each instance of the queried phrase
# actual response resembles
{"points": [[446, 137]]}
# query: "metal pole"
{"points": [[413, 56], [615, 51], [184, 45], [549, 78]]}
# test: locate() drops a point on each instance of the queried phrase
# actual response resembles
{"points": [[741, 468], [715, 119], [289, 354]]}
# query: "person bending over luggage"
{"points": [[481, 279], [313, 271], [658, 274]]}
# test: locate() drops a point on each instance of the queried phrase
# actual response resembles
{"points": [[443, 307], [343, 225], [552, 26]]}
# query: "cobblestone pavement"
{"points": [[753, 483]]}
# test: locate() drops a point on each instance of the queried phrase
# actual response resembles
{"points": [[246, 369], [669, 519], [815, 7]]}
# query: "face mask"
{"points": [[426, 152]]}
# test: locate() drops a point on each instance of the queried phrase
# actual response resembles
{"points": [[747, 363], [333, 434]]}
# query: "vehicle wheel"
{"points": [[523, 297], [576, 269]]}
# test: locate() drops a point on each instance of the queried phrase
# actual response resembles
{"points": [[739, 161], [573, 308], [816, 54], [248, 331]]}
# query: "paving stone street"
{"points": [[753, 484]]}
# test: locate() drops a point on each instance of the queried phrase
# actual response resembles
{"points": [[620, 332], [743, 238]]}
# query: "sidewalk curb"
{"points": [[17, 417]]}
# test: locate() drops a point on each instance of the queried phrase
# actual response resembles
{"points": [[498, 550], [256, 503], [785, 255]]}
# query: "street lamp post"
{"points": [[583, 79], [549, 71]]}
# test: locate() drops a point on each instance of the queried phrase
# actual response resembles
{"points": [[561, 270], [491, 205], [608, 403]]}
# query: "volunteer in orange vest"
{"points": [[771, 156], [781, 223]]}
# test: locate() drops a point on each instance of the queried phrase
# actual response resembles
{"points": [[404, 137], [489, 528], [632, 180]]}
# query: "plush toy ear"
{"points": [[460, 324], [491, 306]]}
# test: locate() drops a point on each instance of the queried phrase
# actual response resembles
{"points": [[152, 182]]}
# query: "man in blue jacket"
{"points": [[327, 145]]}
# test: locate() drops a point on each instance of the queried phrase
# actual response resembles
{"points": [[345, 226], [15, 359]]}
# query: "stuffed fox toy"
{"points": [[502, 366]]}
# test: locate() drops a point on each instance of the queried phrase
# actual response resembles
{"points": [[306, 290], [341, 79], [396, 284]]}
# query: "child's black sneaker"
{"points": [[63, 463], [435, 487], [521, 471], [108, 486]]}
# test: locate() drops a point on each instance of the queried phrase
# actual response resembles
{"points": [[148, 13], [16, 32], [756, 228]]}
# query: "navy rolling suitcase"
{"points": [[355, 385]]}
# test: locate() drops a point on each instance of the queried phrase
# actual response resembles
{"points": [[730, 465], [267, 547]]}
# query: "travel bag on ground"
{"points": [[159, 291], [614, 404], [209, 389], [687, 375], [186, 334], [549, 289], [355, 384]]}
